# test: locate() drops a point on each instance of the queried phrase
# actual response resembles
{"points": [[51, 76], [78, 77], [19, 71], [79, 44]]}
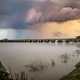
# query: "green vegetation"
{"points": [[3, 73], [74, 75]]}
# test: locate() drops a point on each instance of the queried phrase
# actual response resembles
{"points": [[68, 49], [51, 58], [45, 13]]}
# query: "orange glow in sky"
{"points": [[65, 29]]}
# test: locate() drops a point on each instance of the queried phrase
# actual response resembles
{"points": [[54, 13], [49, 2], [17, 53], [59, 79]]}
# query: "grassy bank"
{"points": [[74, 75]]}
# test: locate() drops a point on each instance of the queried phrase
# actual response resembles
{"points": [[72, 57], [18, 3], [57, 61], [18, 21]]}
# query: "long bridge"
{"points": [[43, 40]]}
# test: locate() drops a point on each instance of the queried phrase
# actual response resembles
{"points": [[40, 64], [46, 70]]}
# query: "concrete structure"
{"points": [[69, 40]]}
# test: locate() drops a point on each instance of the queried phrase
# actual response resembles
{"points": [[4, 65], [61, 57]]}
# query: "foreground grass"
{"points": [[74, 75]]}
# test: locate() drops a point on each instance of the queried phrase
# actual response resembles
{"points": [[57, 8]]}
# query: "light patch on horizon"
{"points": [[3, 33], [45, 30], [61, 30], [7, 34]]}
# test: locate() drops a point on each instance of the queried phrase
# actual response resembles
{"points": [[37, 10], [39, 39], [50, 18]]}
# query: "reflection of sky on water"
{"points": [[51, 61]]}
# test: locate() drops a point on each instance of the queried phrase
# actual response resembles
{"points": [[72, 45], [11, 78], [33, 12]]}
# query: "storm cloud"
{"points": [[31, 18], [57, 11], [20, 14]]}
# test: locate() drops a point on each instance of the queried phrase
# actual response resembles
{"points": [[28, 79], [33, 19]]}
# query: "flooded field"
{"points": [[41, 61]]}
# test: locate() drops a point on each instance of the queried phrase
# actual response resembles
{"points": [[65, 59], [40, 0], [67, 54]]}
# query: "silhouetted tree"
{"points": [[78, 37]]}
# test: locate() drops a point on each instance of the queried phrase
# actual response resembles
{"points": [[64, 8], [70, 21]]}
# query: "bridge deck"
{"points": [[42, 40]]}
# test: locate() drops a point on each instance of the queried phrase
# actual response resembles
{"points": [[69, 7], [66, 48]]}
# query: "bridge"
{"points": [[43, 40]]}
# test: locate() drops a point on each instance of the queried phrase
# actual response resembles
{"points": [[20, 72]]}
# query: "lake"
{"points": [[56, 59]]}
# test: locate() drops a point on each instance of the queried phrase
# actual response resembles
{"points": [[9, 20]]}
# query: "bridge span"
{"points": [[43, 40]]}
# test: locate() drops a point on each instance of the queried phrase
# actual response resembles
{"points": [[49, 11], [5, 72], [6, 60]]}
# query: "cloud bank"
{"points": [[57, 11], [20, 13], [30, 15]]}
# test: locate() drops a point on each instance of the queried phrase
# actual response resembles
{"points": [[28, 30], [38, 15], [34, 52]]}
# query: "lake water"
{"points": [[57, 59]]}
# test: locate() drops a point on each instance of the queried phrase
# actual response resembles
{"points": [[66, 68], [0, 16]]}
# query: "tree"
{"points": [[78, 37]]}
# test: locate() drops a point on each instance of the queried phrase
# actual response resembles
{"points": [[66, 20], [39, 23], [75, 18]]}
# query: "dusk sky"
{"points": [[39, 19]]}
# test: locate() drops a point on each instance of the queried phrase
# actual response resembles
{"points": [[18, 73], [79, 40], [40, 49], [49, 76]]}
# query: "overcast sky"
{"points": [[27, 17]]}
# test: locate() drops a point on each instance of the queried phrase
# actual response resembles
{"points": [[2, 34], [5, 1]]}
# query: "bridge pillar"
{"points": [[52, 41]]}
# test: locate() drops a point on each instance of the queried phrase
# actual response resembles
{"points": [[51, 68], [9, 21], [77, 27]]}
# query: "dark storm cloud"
{"points": [[73, 3], [12, 13], [21, 13], [55, 10]]}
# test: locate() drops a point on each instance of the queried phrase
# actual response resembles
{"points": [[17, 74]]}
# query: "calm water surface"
{"points": [[57, 59]]}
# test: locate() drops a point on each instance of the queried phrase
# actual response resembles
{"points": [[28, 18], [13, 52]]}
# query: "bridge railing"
{"points": [[43, 40]]}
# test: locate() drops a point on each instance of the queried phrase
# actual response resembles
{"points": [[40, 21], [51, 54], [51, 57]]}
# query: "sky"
{"points": [[39, 19]]}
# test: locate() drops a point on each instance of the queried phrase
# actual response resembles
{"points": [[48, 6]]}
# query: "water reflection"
{"points": [[53, 63], [39, 66], [77, 52], [34, 67], [77, 45], [47, 61], [64, 58]]}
